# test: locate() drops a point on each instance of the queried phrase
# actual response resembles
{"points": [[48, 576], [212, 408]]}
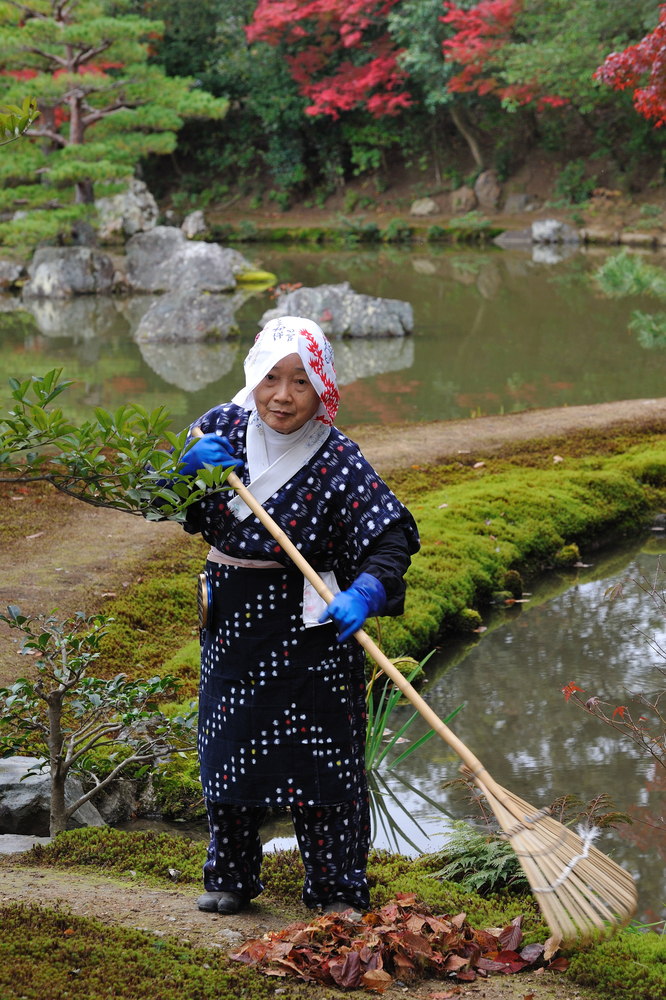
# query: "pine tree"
{"points": [[102, 106]]}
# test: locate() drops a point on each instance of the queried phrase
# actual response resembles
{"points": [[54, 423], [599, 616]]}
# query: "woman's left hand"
{"points": [[351, 607]]}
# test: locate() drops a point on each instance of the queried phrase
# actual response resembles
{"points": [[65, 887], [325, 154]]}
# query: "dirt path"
{"points": [[89, 553]]}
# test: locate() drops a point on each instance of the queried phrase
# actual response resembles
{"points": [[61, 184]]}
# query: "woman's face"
{"points": [[285, 398]]}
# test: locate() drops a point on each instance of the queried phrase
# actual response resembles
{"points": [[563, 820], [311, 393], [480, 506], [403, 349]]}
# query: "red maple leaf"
{"points": [[569, 689]]}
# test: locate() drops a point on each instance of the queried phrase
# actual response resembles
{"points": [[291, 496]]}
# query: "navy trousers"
{"points": [[333, 841]]}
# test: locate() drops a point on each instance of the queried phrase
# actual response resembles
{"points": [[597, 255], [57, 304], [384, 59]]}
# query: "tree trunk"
{"points": [[58, 817], [467, 136], [84, 192], [84, 188]]}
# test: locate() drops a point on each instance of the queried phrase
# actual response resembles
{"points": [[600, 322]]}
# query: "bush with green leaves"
{"points": [[15, 120], [127, 460]]}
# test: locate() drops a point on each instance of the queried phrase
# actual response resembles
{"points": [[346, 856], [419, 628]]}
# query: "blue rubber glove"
{"points": [[211, 449], [351, 607]]}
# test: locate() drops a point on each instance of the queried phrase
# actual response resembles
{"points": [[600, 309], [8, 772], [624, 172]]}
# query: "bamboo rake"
{"points": [[579, 890]]}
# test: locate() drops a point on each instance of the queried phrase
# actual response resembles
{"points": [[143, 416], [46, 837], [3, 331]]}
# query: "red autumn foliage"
{"points": [[641, 68], [570, 689], [402, 940], [481, 33], [349, 35]]}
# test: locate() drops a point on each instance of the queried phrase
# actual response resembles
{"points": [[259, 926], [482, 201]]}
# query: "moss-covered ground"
{"points": [[51, 953]]}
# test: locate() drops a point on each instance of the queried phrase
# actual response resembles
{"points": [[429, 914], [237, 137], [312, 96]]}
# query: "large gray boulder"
{"points": [[194, 225], [518, 202], [553, 231], [164, 259], [488, 190], [122, 215], [463, 200], [189, 315], [25, 801], [339, 310], [60, 272], [424, 206], [542, 232]]}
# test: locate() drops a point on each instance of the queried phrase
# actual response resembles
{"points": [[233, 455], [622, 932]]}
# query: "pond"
{"points": [[516, 720], [496, 331]]}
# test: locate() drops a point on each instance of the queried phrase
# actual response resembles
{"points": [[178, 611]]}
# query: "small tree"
{"points": [[102, 105], [123, 460], [69, 718]]}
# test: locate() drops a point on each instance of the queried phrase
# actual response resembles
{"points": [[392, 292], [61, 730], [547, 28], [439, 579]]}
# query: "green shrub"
{"points": [[436, 233], [573, 182], [397, 231]]}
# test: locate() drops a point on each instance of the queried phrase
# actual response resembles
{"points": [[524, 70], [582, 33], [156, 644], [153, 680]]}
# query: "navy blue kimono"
{"points": [[282, 706]]}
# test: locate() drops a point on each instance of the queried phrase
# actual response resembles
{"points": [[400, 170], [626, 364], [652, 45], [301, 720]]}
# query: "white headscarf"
{"points": [[293, 335], [278, 339], [273, 458]]}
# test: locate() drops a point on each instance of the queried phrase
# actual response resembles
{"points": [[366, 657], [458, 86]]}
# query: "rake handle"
{"points": [[382, 661]]}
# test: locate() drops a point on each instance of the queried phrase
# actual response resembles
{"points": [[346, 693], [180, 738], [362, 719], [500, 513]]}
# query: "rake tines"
{"points": [[579, 890]]}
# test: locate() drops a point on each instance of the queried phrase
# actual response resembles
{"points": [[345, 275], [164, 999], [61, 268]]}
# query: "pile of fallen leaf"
{"points": [[402, 941]]}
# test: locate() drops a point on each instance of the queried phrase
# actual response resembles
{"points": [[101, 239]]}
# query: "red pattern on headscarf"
{"points": [[330, 397]]}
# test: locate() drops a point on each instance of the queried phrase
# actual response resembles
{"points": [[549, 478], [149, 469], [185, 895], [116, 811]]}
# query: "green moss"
{"points": [[156, 618], [567, 556], [629, 966], [51, 953], [177, 789], [467, 620], [477, 525], [143, 855]]}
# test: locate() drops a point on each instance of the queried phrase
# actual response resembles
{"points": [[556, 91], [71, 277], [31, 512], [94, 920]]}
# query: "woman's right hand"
{"points": [[211, 449]]}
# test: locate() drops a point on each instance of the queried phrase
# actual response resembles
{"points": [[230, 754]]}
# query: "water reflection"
{"points": [[495, 331], [190, 367], [517, 722]]}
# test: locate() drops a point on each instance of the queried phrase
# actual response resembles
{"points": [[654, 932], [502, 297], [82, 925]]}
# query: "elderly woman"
{"points": [[282, 693]]}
